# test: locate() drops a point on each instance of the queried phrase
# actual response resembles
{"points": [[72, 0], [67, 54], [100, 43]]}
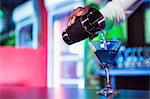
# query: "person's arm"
{"points": [[119, 10]]}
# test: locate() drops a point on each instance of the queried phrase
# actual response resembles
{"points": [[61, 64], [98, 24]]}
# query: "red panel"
{"points": [[25, 67], [22, 66]]}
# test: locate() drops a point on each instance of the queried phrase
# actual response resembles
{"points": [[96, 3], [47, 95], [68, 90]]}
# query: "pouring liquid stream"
{"points": [[104, 40]]}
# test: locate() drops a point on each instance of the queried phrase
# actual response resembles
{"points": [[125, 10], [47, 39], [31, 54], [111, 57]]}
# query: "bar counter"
{"points": [[66, 93]]}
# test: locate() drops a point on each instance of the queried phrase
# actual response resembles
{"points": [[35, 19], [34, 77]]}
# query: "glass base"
{"points": [[108, 92]]}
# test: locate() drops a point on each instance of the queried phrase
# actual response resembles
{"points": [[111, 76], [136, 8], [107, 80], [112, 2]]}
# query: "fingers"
{"points": [[73, 20], [86, 8], [73, 16], [80, 13], [77, 12], [83, 10]]}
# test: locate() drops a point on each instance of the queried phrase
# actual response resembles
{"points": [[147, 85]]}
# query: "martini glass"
{"points": [[106, 52]]}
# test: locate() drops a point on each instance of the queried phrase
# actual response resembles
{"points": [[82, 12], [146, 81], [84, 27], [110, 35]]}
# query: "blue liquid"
{"points": [[106, 56]]}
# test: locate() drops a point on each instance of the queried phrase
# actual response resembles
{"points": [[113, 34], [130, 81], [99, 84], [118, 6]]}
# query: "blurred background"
{"points": [[32, 52]]}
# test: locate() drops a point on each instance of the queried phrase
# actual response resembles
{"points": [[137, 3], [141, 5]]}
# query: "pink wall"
{"points": [[25, 67]]}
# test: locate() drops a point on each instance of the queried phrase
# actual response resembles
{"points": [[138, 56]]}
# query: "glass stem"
{"points": [[107, 77]]}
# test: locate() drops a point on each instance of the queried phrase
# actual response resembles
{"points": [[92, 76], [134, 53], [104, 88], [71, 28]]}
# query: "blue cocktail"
{"points": [[106, 52]]}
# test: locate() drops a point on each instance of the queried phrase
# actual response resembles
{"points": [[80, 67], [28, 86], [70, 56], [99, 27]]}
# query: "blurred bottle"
{"points": [[133, 56], [147, 57], [120, 57], [140, 58], [128, 59]]}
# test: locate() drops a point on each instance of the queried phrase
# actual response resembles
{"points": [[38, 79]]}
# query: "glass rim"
{"points": [[106, 40]]}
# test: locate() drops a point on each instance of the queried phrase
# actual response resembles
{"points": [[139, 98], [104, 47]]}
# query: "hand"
{"points": [[77, 12]]}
